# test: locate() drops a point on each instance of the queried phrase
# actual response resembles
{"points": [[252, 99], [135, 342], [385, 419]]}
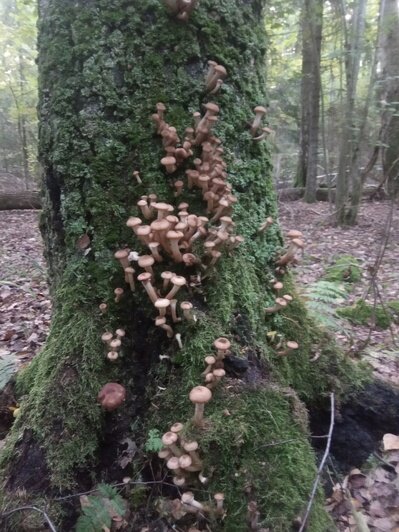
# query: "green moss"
{"points": [[254, 448], [62, 383], [345, 268], [96, 129], [363, 313]]}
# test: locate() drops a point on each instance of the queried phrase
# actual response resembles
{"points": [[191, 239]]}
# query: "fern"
{"points": [[154, 442], [321, 298], [100, 509]]}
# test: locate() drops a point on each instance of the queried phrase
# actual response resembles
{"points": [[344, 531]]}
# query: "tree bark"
{"points": [[312, 22], [390, 93], [353, 49], [103, 68]]}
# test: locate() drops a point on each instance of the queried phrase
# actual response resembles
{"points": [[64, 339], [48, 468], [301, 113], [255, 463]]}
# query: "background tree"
{"points": [[18, 87], [312, 22], [103, 68], [389, 92]]}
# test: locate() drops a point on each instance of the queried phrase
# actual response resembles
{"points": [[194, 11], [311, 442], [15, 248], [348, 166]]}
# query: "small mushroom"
{"points": [[118, 294], [260, 111], [169, 439], [219, 498], [279, 304], [178, 281], [222, 345], [289, 347], [199, 395], [210, 361]]}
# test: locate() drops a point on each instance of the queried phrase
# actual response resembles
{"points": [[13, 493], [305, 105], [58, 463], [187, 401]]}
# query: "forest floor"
{"points": [[26, 308]]}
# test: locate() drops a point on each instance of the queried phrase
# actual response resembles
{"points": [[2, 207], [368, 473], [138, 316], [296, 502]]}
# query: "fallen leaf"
{"points": [[390, 442]]}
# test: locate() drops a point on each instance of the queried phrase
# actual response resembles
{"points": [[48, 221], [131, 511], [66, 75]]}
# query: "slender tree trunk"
{"points": [[312, 20], [353, 47], [103, 68], [356, 177], [390, 94]]}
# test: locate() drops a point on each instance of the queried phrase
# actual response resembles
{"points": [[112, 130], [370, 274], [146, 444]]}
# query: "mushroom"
{"points": [[179, 184], [278, 286], [290, 346], [169, 163], [145, 279], [210, 361], [162, 304], [219, 498], [115, 344], [260, 111], [173, 303], [161, 322], [267, 223], [122, 256], [178, 481], [118, 294], [112, 356], [111, 396], [173, 465], [129, 275], [199, 395], [295, 245], [107, 337], [166, 276], [217, 377], [191, 447], [178, 281], [169, 439], [222, 345], [103, 307], [145, 209], [266, 131], [146, 262], [187, 307], [164, 454], [253, 515], [173, 238], [190, 504], [154, 248], [279, 304], [133, 222], [137, 177]]}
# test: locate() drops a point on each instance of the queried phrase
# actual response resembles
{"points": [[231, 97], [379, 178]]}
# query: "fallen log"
{"points": [[28, 199]]}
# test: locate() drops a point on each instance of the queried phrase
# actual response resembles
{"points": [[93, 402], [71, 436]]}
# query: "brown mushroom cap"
{"points": [[169, 438], [260, 109], [111, 396], [133, 221], [121, 254], [145, 261], [222, 343], [162, 303], [211, 107], [219, 373], [167, 161], [200, 395], [190, 446], [176, 427], [292, 345], [293, 233], [298, 243]]}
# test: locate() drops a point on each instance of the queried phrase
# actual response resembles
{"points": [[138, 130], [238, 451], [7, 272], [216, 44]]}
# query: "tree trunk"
{"points": [[312, 21], [390, 93], [103, 68], [353, 48]]}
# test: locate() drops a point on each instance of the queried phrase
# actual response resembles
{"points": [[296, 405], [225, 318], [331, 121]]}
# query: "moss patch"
{"points": [[346, 268], [362, 313]]}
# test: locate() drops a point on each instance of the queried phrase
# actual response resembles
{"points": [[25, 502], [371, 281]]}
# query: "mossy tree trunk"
{"points": [[103, 67]]}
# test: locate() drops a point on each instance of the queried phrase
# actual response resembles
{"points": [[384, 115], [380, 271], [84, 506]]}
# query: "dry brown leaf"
{"points": [[390, 442]]}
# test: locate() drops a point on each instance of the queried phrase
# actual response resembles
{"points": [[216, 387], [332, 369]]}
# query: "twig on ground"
{"points": [[23, 508], [321, 466]]}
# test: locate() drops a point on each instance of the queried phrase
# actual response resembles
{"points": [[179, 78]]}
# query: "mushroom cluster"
{"points": [[113, 343]]}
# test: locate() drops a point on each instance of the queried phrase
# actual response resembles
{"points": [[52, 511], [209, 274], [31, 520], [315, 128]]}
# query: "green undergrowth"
{"points": [[362, 313], [345, 268]]}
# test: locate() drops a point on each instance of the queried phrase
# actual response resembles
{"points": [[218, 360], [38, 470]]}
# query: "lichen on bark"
{"points": [[103, 67]]}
